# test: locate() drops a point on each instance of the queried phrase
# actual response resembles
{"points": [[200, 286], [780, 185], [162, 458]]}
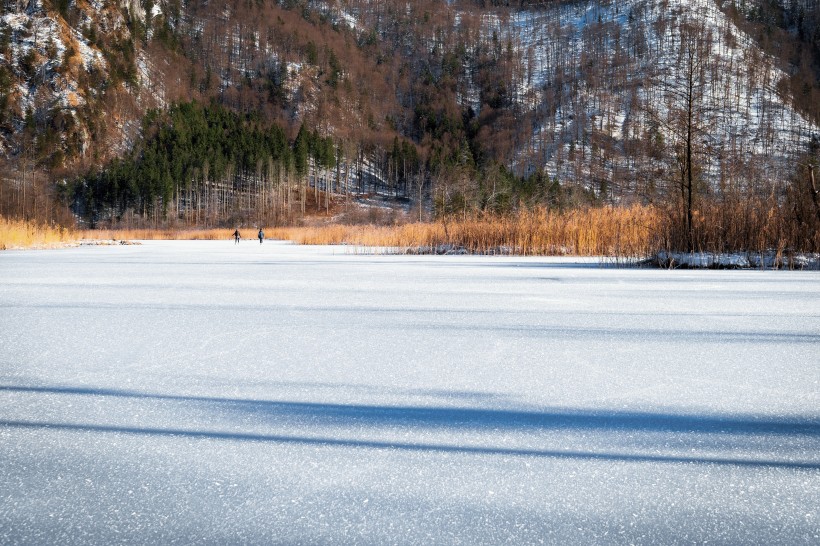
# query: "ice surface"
{"points": [[201, 392]]}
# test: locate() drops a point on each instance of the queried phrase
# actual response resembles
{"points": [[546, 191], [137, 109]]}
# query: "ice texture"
{"points": [[206, 392]]}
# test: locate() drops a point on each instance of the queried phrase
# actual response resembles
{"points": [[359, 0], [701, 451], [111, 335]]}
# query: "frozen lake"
{"points": [[201, 392]]}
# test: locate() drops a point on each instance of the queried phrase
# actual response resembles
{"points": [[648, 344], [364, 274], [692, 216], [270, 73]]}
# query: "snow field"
{"points": [[182, 392]]}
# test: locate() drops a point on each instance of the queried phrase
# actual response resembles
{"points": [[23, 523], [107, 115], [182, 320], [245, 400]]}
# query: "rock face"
{"points": [[62, 76], [134, 9]]}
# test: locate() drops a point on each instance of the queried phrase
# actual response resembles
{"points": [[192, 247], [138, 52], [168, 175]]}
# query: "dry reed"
{"points": [[15, 234], [739, 225], [621, 232], [160, 234]]}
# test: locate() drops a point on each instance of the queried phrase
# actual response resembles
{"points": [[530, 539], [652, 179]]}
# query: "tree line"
{"points": [[203, 165]]}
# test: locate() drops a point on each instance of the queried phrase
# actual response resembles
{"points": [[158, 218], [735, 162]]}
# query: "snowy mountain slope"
{"points": [[595, 76]]}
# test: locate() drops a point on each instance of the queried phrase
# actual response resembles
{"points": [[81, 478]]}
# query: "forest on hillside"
{"points": [[206, 165]]}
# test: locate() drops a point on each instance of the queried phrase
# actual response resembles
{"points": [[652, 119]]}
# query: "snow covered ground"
{"points": [[201, 392]]}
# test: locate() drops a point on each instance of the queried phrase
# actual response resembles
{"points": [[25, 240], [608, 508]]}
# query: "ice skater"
{"points": [[261, 235], [236, 236]]}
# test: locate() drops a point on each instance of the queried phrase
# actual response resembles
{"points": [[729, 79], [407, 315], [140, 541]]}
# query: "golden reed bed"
{"points": [[22, 234], [619, 232], [623, 232]]}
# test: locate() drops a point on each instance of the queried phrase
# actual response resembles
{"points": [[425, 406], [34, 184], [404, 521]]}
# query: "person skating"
{"points": [[236, 236], [261, 235]]}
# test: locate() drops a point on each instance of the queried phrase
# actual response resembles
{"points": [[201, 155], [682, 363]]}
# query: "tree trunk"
{"points": [[815, 193]]}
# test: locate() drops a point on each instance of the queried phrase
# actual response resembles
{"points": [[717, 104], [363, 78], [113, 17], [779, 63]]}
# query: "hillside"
{"points": [[455, 106]]}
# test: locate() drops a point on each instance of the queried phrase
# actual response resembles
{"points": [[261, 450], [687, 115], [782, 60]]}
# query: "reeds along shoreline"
{"points": [[161, 234], [621, 232], [741, 225], [618, 232], [22, 234]]}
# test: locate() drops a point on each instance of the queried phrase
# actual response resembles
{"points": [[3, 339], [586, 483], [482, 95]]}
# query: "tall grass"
{"points": [[620, 232], [168, 234], [751, 224], [22, 234]]}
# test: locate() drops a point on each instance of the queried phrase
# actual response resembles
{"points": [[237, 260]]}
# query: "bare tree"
{"points": [[683, 114]]}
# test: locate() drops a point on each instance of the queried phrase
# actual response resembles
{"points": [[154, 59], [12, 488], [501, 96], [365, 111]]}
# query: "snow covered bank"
{"points": [[737, 260]]}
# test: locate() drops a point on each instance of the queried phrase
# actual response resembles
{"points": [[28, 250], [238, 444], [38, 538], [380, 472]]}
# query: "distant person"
{"points": [[261, 236], [236, 236]]}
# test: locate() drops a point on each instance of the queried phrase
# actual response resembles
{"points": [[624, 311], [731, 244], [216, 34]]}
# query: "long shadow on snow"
{"points": [[414, 447], [384, 310], [470, 417], [532, 331]]}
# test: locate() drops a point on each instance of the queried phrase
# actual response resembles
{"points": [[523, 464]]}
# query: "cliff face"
{"points": [[71, 81]]}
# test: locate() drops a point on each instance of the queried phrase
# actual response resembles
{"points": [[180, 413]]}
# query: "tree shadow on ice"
{"points": [[741, 432], [422, 447], [537, 331], [468, 417]]}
